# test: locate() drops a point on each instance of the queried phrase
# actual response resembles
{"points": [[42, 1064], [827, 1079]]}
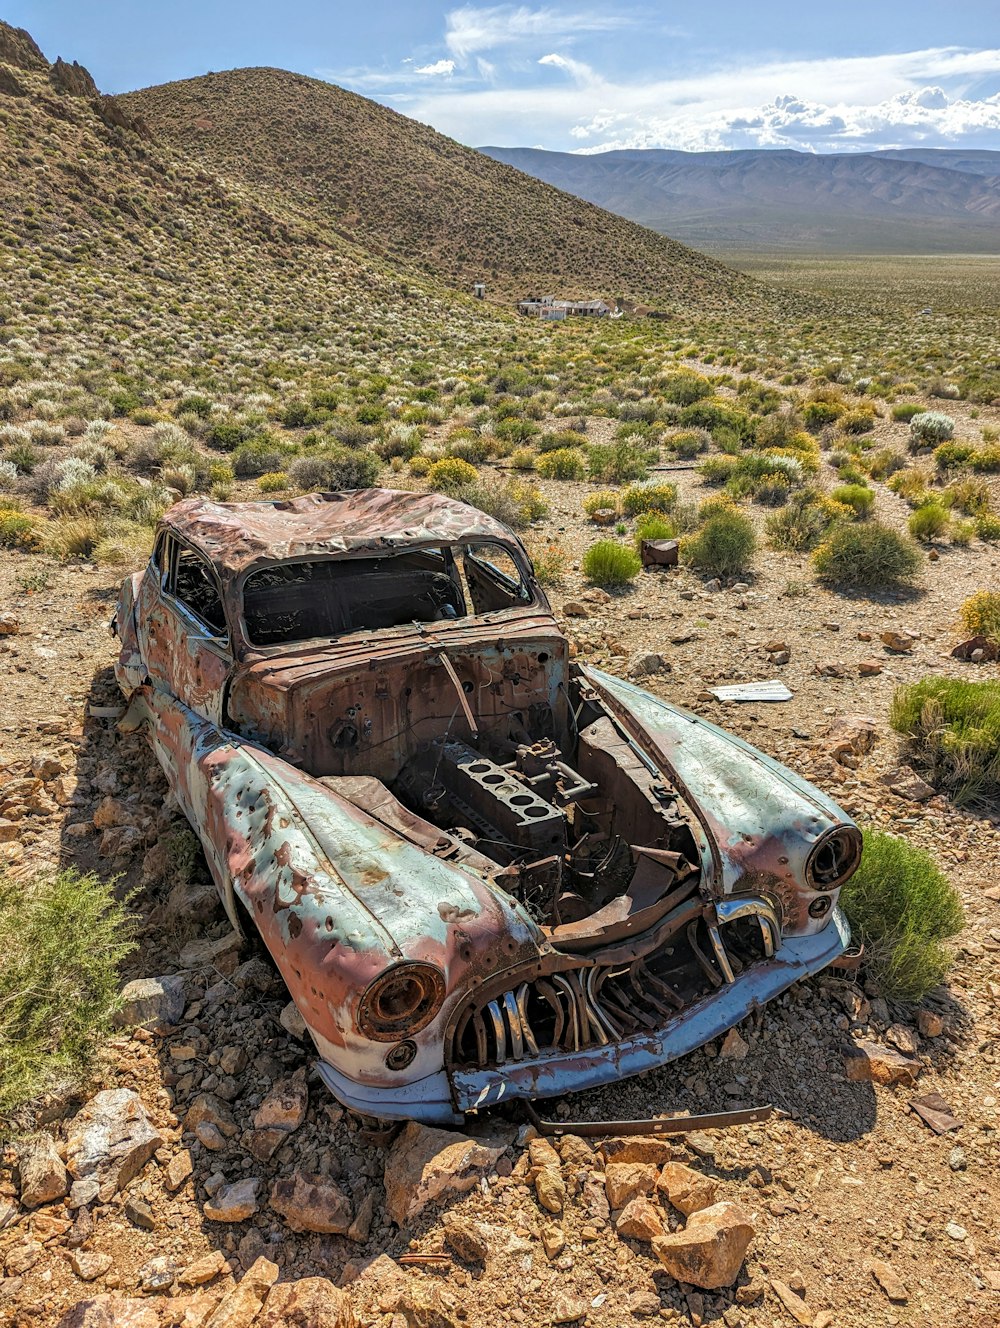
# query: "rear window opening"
{"points": [[302, 601]]}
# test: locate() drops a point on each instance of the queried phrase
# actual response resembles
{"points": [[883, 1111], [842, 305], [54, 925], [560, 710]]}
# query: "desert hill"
{"points": [[919, 200], [350, 167]]}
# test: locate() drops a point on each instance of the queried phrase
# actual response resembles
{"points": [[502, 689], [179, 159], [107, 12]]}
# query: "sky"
{"points": [[583, 77]]}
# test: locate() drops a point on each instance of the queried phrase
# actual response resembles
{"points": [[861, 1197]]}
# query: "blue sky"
{"points": [[584, 77]]}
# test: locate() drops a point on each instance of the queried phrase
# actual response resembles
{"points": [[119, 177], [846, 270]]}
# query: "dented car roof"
{"points": [[236, 536]]}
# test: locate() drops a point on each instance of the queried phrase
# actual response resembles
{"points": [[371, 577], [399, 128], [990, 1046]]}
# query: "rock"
{"points": [[235, 1202], [644, 1304], [901, 642], [780, 657], [624, 1180], [360, 1228], [646, 665], [957, 1160], [177, 1170], [553, 1239], [930, 1023], [909, 786], [870, 668], [652, 1149], [43, 1176], [878, 1065], [688, 1190], [640, 1219], [573, 609], [9, 625], [956, 1231], [233, 1060], [203, 1269], [425, 1165], [285, 1106], [110, 1140], [888, 1280], [152, 1003], [794, 1304], [263, 1144], [310, 1201], [550, 1189], [850, 735], [111, 813], [209, 1110], [139, 1213], [903, 1039], [709, 1251], [221, 954], [734, 1046], [112, 1311], [424, 1307], [158, 1274], [82, 1193], [45, 766], [292, 1022], [312, 1302], [240, 1306], [775, 646], [466, 1238], [22, 1256]]}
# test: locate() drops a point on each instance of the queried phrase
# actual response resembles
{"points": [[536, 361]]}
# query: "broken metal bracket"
{"points": [[719, 1120]]}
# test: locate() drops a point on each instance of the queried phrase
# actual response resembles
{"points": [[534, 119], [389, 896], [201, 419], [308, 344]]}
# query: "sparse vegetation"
{"points": [[607, 563], [724, 545], [980, 615], [866, 556], [953, 732]]}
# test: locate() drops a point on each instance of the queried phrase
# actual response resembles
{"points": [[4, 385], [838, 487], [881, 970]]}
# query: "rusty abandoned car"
{"points": [[485, 871]]}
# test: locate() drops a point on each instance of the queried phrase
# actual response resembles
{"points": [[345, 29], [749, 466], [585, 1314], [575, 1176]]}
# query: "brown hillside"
{"points": [[401, 190]]}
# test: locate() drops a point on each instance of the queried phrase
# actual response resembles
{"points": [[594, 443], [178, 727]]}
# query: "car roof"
{"points": [[238, 536]]}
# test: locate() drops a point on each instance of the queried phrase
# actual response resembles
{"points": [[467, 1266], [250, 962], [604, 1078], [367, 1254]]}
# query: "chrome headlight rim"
{"points": [[834, 858]]}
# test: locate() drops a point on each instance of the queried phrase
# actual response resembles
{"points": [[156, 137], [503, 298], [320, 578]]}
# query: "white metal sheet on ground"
{"points": [[753, 691]]}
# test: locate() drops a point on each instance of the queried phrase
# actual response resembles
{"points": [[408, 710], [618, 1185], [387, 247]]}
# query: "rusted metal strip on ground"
{"points": [[720, 1120]]}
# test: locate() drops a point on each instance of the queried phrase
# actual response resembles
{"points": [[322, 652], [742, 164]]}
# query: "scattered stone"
{"points": [[935, 1112], [573, 609], [465, 1238], [9, 625], [549, 1184], [309, 1201], [553, 1239], [955, 1231], [870, 668], [646, 665], [311, 1302], [888, 1280], [794, 1304], [292, 1022], [285, 1106], [139, 1213], [209, 1119], [957, 1160], [425, 1165], [624, 1180], [152, 1003], [709, 1252], [867, 1061], [652, 1149], [235, 1202], [930, 1023], [734, 1046], [203, 1269], [850, 736], [43, 1176], [110, 1140], [780, 657], [360, 1228], [177, 1170], [22, 1256], [901, 642], [644, 1304], [158, 1274], [89, 1264], [909, 786], [640, 1219], [903, 1039], [688, 1190], [240, 1306], [112, 1311]]}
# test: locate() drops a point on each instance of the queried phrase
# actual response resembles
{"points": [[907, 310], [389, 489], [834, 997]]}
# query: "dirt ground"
{"points": [[850, 1176]]}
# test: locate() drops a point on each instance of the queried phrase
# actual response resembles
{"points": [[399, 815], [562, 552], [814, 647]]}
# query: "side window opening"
{"points": [[493, 578], [193, 584]]}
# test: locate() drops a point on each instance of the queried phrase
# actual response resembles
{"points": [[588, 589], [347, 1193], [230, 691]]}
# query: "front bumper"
{"points": [[440, 1099]]}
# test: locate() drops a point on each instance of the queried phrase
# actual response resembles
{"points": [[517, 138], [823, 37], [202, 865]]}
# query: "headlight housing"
{"points": [[835, 858], [401, 1001]]}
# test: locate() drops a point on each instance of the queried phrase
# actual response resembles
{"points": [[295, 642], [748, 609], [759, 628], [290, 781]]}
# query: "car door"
{"points": [[183, 635], [493, 578]]}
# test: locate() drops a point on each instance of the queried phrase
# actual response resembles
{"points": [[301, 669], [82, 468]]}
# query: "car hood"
{"points": [[760, 820]]}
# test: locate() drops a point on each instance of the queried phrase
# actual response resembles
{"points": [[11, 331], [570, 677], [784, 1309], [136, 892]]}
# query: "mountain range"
{"points": [[912, 200]]}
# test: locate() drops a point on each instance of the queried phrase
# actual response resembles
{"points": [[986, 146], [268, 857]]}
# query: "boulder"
{"points": [[111, 1311], [709, 1252], [43, 1176], [110, 1140], [624, 1180], [465, 1238], [310, 1201], [688, 1190], [647, 664], [239, 1307], [285, 1106], [203, 1270], [640, 1219], [425, 1165], [312, 1302], [868, 1061], [638, 1148], [152, 1003], [235, 1202]]}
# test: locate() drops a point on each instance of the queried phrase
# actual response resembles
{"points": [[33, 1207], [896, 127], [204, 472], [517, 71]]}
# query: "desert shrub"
{"points": [[929, 521], [911, 485], [724, 545], [618, 462], [25, 456], [258, 456], [866, 556], [73, 536], [930, 427], [687, 443], [819, 413], [653, 497], [857, 421], [802, 524], [19, 531], [516, 430], [511, 501], [980, 614], [181, 477], [949, 456], [988, 527], [904, 411], [566, 463], [475, 449], [227, 434], [858, 497], [8, 477], [554, 442], [607, 563], [985, 460], [718, 469], [653, 526], [523, 458], [601, 500], [275, 481], [125, 545], [63, 938], [961, 533], [337, 469], [421, 465], [685, 388], [451, 474], [902, 908], [883, 463], [953, 733], [549, 562]]}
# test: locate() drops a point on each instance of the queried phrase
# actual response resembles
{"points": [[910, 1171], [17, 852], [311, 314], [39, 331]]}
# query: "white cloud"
{"points": [[438, 68], [470, 30], [576, 69]]}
